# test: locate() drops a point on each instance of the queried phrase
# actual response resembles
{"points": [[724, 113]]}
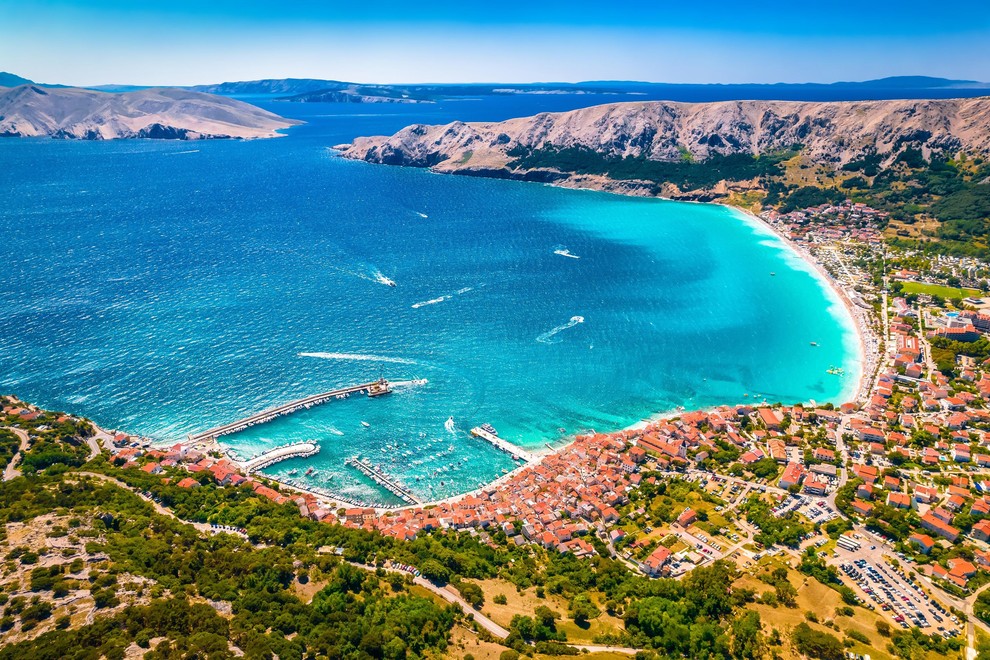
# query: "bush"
{"points": [[859, 637], [500, 599], [816, 644], [509, 654]]}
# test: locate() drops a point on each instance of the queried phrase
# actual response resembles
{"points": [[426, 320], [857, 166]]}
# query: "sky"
{"points": [[182, 42]]}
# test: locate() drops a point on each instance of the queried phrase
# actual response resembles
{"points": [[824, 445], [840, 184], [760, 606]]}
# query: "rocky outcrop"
{"points": [[829, 133], [174, 114]]}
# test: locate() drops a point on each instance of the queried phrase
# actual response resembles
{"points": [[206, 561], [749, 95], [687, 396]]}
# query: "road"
{"points": [[448, 594], [972, 621], [11, 471], [202, 527]]}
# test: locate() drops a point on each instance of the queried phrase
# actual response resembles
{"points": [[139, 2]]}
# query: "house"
{"points": [[188, 482], [923, 542], [939, 527], [981, 531], [822, 454], [152, 468], [861, 507], [899, 500], [687, 517], [793, 475], [654, 564], [814, 487], [771, 420]]}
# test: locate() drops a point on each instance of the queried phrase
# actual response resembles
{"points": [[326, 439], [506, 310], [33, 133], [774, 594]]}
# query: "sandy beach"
{"points": [[867, 341]]}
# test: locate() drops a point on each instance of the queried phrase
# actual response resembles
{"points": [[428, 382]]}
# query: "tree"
{"points": [[581, 609], [472, 593], [748, 642], [817, 644]]}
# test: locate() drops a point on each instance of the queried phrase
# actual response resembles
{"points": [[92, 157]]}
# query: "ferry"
{"points": [[488, 428]]}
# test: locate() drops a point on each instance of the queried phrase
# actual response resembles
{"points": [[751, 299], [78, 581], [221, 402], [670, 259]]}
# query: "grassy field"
{"points": [[526, 602], [939, 290]]}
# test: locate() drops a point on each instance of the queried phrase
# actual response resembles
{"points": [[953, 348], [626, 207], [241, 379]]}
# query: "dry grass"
{"points": [[815, 597], [526, 602]]}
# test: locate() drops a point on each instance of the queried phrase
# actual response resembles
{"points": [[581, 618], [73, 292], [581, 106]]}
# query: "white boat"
{"points": [[366, 425]]}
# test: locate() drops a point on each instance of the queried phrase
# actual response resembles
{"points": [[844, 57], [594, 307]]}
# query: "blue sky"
{"points": [[182, 42]]}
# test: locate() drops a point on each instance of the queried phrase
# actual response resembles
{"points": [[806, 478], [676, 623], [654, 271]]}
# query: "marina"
{"points": [[377, 475], [373, 389], [490, 435], [278, 454]]}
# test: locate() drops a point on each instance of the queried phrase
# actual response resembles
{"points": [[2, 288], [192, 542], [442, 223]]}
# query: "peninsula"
{"points": [[162, 113], [918, 160]]}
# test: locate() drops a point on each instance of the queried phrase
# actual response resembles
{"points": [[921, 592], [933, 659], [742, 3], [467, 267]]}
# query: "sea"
{"points": [[162, 288]]}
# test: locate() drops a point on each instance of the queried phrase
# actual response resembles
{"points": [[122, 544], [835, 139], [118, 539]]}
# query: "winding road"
{"points": [[11, 471]]}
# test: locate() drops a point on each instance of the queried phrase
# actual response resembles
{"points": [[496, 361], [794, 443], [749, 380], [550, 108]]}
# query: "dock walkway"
{"points": [[509, 448], [385, 481], [373, 389], [272, 456]]}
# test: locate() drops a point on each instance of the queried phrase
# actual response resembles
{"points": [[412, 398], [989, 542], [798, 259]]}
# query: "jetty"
{"points": [[509, 448], [376, 388], [272, 456], [388, 483]]}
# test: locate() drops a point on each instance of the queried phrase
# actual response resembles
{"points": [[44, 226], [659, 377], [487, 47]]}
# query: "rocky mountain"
{"points": [[831, 134], [277, 86], [13, 80], [164, 113]]}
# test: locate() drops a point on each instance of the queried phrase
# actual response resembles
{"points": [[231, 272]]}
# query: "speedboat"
{"points": [[366, 425]]}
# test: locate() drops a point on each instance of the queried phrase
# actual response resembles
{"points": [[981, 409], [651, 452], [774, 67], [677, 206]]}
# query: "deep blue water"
{"points": [[165, 287]]}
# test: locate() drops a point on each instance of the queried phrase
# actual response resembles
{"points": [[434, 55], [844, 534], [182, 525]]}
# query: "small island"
{"points": [[156, 113]]}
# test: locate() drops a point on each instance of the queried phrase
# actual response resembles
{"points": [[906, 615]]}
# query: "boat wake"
{"points": [[421, 214], [432, 301], [379, 276], [449, 425], [358, 357], [440, 299], [409, 383], [564, 252], [547, 337]]}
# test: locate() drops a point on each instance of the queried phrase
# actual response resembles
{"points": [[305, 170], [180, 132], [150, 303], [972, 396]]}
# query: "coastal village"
{"points": [[892, 490]]}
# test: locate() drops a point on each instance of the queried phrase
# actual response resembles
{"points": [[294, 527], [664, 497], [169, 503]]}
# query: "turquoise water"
{"points": [[164, 288]]}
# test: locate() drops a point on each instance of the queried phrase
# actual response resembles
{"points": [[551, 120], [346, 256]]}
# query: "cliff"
{"points": [[829, 133], [32, 111]]}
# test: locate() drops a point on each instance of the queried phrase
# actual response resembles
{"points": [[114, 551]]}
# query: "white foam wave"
{"points": [[566, 253], [359, 357], [421, 214], [449, 425], [547, 337], [433, 301]]}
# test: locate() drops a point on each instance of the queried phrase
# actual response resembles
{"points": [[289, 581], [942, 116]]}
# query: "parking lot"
{"points": [[901, 599]]}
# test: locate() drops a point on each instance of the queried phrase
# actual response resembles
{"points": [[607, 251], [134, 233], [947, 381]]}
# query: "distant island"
{"points": [[162, 113], [914, 159]]}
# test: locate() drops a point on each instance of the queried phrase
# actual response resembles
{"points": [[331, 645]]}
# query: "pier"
{"points": [[376, 388], [509, 448], [385, 481], [273, 456]]}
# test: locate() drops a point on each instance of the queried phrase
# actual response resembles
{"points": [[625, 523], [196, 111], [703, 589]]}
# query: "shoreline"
{"points": [[867, 360]]}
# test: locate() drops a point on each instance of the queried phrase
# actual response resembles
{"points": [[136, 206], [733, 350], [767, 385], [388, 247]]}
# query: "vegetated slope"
{"points": [[912, 158], [32, 111]]}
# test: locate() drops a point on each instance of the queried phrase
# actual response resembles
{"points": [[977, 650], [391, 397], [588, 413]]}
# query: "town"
{"points": [[890, 493]]}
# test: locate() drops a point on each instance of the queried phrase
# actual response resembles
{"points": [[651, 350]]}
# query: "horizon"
{"points": [[89, 43], [976, 84]]}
